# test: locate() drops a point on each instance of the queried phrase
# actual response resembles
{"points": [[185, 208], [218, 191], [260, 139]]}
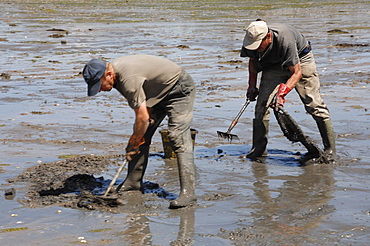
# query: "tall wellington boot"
{"points": [[136, 170], [260, 131], [328, 137], [185, 163]]}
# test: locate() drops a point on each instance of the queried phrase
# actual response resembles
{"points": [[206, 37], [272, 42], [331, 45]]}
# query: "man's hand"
{"points": [[280, 96], [133, 147], [252, 93], [130, 153], [140, 127]]}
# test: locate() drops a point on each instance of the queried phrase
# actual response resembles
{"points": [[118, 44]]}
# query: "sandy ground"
{"points": [[56, 141]]}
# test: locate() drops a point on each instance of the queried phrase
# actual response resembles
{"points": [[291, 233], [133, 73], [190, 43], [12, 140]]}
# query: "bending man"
{"points": [[154, 88]]}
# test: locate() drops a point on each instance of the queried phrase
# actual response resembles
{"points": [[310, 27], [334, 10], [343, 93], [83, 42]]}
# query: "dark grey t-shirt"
{"points": [[142, 78], [287, 43]]}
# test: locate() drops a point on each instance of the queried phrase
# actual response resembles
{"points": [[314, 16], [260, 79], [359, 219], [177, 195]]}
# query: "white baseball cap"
{"points": [[255, 32]]}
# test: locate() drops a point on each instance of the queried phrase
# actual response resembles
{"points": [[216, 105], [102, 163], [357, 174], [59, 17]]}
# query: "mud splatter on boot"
{"points": [[185, 162]]}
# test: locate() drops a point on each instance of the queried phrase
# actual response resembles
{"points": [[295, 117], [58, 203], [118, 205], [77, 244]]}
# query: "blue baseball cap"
{"points": [[93, 72]]}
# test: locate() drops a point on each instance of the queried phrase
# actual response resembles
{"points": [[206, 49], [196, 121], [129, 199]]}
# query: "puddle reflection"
{"points": [[301, 203]]}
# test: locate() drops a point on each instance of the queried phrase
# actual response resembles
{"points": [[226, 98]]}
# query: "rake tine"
{"points": [[227, 134], [233, 136], [221, 134]]}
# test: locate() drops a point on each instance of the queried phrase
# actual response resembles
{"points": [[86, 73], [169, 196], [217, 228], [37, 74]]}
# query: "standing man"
{"points": [[284, 57], [154, 87]]}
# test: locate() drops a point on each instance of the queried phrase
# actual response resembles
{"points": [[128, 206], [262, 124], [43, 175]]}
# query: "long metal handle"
{"points": [[115, 177], [235, 121]]}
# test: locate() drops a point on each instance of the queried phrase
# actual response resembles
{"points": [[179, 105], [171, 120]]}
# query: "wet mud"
{"points": [[60, 148], [74, 183], [63, 183]]}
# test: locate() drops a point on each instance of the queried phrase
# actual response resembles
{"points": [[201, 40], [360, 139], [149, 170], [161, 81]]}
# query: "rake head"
{"points": [[227, 135]]}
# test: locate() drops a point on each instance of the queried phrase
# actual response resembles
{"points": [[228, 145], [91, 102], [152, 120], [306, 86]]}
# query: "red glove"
{"points": [[252, 93], [280, 96]]}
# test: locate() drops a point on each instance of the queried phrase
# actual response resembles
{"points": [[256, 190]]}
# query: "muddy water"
{"points": [[45, 117]]}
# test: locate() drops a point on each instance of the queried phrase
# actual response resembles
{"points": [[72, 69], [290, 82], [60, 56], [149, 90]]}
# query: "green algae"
{"points": [[100, 230], [13, 229]]}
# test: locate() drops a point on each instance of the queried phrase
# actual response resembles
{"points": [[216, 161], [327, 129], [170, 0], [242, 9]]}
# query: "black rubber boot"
{"points": [[310, 158], [328, 137], [260, 131], [185, 163], [136, 170]]}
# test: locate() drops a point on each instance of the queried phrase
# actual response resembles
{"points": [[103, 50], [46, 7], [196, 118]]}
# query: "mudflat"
{"points": [[60, 148]]}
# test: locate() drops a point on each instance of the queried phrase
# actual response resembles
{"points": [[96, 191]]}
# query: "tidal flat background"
{"points": [[46, 116]]}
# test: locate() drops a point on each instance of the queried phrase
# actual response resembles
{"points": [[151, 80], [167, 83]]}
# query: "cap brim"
{"points": [[251, 45], [92, 90]]}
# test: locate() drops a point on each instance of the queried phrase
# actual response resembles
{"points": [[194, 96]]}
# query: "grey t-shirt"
{"points": [[142, 78], [287, 43]]}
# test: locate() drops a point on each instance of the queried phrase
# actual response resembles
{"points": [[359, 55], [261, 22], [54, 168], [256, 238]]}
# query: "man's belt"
{"points": [[305, 51]]}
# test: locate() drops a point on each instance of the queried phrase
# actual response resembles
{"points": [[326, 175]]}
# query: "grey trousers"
{"points": [[308, 89], [178, 106]]}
